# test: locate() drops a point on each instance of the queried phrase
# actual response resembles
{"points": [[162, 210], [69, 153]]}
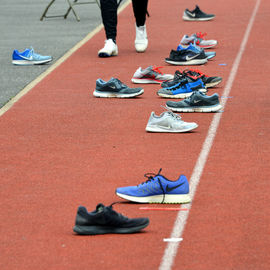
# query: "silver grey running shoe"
{"points": [[168, 122], [114, 88], [151, 74], [197, 102]]}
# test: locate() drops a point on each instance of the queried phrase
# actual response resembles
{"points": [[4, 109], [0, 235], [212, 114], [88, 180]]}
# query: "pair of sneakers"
{"points": [[141, 43]]}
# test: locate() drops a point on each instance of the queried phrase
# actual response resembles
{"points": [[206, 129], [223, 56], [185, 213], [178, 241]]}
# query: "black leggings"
{"points": [[109, 15]]}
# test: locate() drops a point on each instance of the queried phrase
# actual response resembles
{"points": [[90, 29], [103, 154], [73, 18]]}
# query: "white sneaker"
{"points": [[168, 122], [110, 49], [141, 41]]}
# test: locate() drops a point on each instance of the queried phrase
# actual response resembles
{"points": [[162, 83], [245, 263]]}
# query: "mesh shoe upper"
{"points": [[115, 85], [106, 216], [157, 185]]}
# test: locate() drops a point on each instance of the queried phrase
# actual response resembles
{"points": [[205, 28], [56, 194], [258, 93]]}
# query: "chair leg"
{"points": [[71, 8], [46, 10]]}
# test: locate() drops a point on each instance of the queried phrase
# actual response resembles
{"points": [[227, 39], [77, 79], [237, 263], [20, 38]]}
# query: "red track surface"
{"points": [[61, 147]]}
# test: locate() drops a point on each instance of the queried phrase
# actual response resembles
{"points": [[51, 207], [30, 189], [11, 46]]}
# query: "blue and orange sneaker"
{"points": [[157, 189], [29, 57], [182, 86]]}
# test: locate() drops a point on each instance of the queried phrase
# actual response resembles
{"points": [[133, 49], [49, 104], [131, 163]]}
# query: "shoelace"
{"points": [[150, 177], [156, 69], [200, 35], [119, 84], [197, 72]]}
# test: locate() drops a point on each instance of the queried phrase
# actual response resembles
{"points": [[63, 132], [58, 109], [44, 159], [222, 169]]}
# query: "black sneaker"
{"points": [[197, 102], [207, 80], [105, 220], [178, 76], [114, 88], [197, 15], [186, 57]]}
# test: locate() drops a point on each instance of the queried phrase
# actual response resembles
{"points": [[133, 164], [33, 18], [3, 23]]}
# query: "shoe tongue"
{"points": [[100, 208]]}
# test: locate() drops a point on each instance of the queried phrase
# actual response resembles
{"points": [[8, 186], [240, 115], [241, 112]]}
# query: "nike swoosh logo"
{"points": [[27, 58], [196, 101], [191, 57], [165, 127], [169, 189], [191, 14]]}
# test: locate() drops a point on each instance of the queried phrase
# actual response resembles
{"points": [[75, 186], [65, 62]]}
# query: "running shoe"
{"points": [[114, 88], [207, 80], [151, 74], [141, 41], [157, 189], [109, 49], [105, 220], [29, 57], [197, 102], [186, 57], [178, 76], [168, 122], [195, 48], [198, 38], [184, 87], [197, 15]]}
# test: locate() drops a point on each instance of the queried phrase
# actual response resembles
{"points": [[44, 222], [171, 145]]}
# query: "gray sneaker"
{"points": [[114, 88], [197, 102], [168, 122]]}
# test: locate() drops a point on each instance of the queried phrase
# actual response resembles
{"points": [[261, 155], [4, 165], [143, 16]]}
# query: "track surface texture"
{"points": [[61, 148]]}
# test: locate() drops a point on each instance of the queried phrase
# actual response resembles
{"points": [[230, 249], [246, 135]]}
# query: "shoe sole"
{"points": [[168, 198], [169, 130], [94, 230], [182, 95], [135, 80], [187, 63], [29, 63], [186, 18], [105, 55], [97, 93], [198, 109], [213, 84]]}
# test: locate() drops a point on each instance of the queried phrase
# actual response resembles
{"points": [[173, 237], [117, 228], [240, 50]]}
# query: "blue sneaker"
{"points": [[29, 57], [182, 87], [193, 47], [157, 189]]}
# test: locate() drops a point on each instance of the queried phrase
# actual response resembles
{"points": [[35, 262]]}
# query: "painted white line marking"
{"points": [[181, 219], [173, 239], [32, 84]]}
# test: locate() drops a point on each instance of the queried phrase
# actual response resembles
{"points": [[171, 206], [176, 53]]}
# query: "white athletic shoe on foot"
{"points": [[141, 41], [110, 49]]}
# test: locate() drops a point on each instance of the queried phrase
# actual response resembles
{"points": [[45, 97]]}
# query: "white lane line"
{"points": [[181, 219], [32, 84]]}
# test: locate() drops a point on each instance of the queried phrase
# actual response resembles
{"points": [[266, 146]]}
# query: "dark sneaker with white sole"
{"points": [[209, 81], [186, 57], [197, 102], [105, 220], [114, 88], [197, 15], [181, 87]]}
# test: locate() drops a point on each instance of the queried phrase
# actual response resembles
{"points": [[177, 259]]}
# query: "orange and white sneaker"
{"points": [[151, 74], [199, 40]]}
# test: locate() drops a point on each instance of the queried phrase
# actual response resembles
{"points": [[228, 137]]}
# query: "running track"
{"points": [[61, 147]]}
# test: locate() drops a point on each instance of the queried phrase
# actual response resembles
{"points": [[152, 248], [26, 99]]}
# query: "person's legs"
{"points": [[109, 19], [140, 11]]}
